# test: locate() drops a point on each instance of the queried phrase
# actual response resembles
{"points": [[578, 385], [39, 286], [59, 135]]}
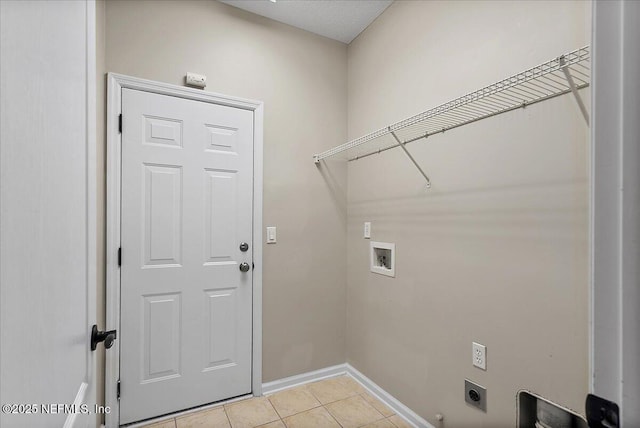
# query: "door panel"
{"points": [[220, 218], [221, 328], [160, 130], [161, 339], [221, 139], [186, 207], [163, 215]]}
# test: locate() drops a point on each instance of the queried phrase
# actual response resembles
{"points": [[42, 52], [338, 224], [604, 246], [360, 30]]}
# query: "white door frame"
{"points": [[115, 84], [615, 207], [44, 107], [88, 392]]}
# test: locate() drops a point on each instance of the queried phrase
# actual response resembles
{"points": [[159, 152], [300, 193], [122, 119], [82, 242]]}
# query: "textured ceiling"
{"points": [[340, 20]]}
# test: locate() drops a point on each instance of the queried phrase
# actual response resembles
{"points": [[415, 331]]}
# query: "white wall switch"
{"points": [[479, 355], [197, 80], [367, 229], [271, 235]]}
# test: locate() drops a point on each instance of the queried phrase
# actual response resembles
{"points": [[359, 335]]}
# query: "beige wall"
{"points": [[497, 250], [301, 78]]}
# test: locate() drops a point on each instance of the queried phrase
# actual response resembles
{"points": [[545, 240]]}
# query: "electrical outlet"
{"points": [[479, 355]]}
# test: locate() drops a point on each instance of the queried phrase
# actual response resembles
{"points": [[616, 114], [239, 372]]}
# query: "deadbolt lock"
{"points": [[244, 247]]}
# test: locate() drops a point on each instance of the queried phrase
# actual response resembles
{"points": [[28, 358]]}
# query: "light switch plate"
{"points": [[271, 235], [367, 230]]}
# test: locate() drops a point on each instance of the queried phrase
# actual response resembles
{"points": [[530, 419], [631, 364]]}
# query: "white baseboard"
{"points": [[301, 379], [406, 413], [401, 410]]}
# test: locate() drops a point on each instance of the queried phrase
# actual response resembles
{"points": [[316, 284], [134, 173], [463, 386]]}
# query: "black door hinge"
{"points": [[120, 256], [120, 123], [118, 390]]}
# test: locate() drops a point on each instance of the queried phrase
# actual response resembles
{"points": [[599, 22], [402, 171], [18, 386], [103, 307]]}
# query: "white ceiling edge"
{"points": [[340, 20]]}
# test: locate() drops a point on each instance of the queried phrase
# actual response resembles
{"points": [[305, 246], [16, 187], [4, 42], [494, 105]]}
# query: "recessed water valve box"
{"points": [[383, 258]]}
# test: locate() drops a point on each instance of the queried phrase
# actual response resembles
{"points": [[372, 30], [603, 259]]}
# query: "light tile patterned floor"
{"points": [[339, 402]]}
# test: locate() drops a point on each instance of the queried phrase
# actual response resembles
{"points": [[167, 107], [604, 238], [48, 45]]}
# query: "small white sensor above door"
{"points": [[197, 80]]}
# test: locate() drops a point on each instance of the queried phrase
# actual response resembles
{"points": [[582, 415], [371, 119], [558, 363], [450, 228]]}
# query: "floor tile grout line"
{"points": [[367, 403], [324, 380], [302, 411], [335, 401], [303, 386], [333, 417], [274, 407], [311, 392], [227, 416], [365, 424], [385, 416], [392, 423], [278, 420]]}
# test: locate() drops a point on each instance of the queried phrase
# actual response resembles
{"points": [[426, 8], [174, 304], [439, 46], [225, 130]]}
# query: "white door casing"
{"points": [[615, 207], [182, 164], [48, 224]]}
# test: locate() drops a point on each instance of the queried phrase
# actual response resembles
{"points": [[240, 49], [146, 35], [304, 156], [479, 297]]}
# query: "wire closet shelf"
{"points": [[565, 74]]}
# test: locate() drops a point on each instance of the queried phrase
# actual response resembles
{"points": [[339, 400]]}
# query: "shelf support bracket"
{"points": [[574, 89], [401, 144]]}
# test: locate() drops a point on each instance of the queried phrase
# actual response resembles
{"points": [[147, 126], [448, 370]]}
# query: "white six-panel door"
{"points": [[187, 176]]}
